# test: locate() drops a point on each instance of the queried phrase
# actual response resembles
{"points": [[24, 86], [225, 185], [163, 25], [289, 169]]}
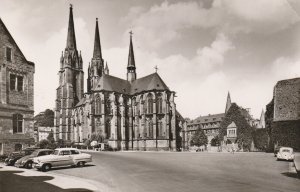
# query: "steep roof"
{"points": [[14, 42], [208, 118], [111, 83], [147, 83]]}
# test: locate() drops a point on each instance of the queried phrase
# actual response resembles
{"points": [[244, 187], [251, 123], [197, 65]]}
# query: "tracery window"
{"points": [[159, 104], [149, 104], [98, 106]]}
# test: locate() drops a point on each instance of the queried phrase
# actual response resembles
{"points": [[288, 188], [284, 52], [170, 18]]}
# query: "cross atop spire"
{"points": [[156, 68], [97, 45], [71, 40]]}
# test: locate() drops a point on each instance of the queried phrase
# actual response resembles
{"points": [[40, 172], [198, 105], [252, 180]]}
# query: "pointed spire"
{"points": [[228, 103], [106, 70], [97, 45], [131, 61], [71, 40]]}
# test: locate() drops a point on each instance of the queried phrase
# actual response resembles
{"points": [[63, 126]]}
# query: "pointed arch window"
{"points": [[150, 128], [149, 104], [17, 123], [98, 106], [159, 104]]}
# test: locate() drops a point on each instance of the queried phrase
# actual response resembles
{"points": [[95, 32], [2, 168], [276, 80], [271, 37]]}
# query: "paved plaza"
{"points": [[171, 171]]}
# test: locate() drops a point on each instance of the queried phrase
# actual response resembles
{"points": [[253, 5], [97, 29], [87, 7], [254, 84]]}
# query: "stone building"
{"points": [[132, 114], [209, 123], [16, 95], [285, 125], [287, 100]]}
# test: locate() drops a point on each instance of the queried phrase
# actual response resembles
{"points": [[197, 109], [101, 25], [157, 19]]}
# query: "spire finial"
{"points": [[131, 33], [156, 68], [71, 5]]}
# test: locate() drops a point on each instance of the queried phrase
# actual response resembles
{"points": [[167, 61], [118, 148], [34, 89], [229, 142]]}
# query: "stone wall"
{"points": [[15, 101], [287, 100]]}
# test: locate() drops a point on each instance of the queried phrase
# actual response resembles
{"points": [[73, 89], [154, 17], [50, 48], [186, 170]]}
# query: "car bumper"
{"points": [[37, 165]]}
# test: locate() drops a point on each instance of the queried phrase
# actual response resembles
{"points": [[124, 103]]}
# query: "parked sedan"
{"points": [[27, 160], [60, 158], [286, 153], [14, 156]]}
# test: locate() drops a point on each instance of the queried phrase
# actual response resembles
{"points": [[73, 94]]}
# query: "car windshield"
{"points": [[55, 152], [35, 153], [286, 150]]}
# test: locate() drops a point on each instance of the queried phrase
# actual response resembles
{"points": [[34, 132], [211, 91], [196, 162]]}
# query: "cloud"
{"points": [[191, 78], [47, 57], [285, 68], [165, 22]]}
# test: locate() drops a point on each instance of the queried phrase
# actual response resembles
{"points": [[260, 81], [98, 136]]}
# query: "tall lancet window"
{"points": [[98, 106], [150, 128], [149, 103], [159, 104]]}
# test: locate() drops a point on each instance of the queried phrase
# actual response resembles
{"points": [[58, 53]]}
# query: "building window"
{"points": [[150, 104], [12, 82], [150, 128], [20, 83], [17, 123], [98, 106], [8, 54], [159, 104], [159, 129], [16, 82]]}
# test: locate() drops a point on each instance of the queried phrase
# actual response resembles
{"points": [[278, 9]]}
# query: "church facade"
{"points": [[128, 114]]}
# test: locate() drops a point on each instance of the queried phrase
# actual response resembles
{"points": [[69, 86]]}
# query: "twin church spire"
{"points": [[97, 68]]}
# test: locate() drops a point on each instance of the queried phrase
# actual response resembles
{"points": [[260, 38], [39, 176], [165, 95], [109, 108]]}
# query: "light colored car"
{"points": [[26, 161], [60, 158], [285, 153]]}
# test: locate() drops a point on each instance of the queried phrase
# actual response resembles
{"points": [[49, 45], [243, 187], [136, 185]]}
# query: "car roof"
{"points": [[66, 149], [44, 150], [281, 148]]}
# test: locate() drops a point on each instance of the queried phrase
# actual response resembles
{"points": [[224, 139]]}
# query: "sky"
{"points": [[202, 49]]}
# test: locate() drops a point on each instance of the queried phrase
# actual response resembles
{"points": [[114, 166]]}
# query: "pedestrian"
{"points": [[232, 148]]}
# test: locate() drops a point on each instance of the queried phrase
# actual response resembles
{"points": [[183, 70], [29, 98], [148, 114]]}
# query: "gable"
{"points": [[8, 41]]}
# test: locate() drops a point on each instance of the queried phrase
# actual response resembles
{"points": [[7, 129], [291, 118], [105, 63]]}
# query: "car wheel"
{"points": [[46, 167], [80, 164], [28, 165]]}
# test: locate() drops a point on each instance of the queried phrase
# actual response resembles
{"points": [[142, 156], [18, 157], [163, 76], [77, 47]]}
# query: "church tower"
{"points": [[71, 85], [228, 103], [96, 69], [131, 70]]}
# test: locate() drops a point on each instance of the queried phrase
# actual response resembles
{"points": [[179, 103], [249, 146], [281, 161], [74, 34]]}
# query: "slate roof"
{"points": [[147, 83], [208, 119]]}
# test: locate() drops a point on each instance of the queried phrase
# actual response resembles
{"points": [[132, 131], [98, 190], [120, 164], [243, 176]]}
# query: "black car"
{"points": [[14, 156], [26, 161]]}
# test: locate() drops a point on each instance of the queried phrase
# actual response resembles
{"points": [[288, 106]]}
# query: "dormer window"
{"points": [[8, 54]]}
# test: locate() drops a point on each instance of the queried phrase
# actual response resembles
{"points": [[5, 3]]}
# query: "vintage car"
{"points": [[27, 160], [285, 153], [14, 156], [60, 158]]}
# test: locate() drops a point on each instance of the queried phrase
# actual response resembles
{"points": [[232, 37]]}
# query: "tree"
{"points": [[43, 144], [45, 119], [215, 141], [199, 138]]}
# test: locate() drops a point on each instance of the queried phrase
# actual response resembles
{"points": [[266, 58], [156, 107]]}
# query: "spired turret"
{"points": [[71, 85], [97, 63], [131, 69]]}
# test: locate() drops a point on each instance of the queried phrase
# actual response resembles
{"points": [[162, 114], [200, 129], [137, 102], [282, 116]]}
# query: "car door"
{"points": [[65, 158]]}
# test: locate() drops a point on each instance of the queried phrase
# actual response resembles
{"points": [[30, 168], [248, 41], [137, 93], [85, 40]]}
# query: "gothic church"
{"points": [[131, 114]]}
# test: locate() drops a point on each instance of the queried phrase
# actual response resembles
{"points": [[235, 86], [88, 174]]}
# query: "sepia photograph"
{"points": [[149, 96]]}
